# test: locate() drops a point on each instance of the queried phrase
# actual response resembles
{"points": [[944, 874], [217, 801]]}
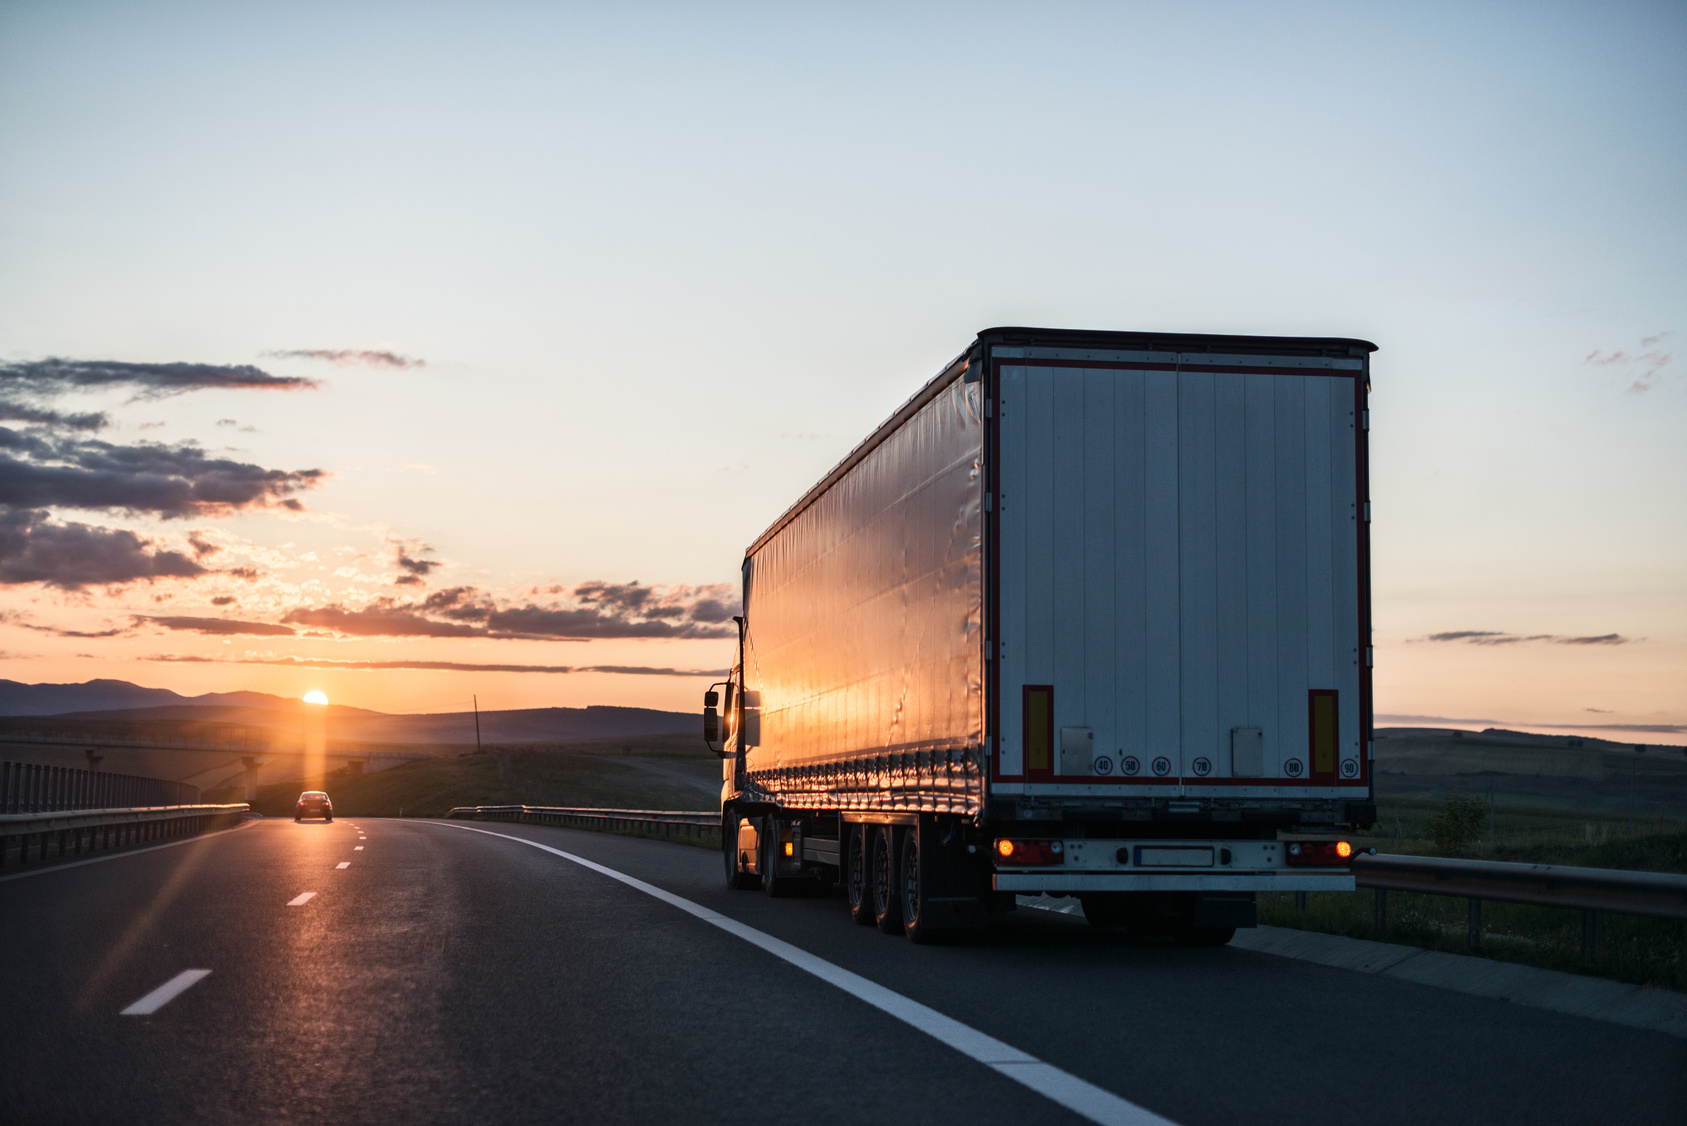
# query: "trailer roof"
{"points": [[1066, 338], [1174, 341]]}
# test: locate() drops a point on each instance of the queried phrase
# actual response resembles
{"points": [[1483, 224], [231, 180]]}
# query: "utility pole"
{"points": [[476, 700], [1490, 812]]}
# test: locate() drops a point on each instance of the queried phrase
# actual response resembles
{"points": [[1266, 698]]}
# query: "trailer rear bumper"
{"points": [[1076, 883]]}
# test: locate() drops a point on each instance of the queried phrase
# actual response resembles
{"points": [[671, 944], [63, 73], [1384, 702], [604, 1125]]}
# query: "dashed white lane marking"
{"points": [[166, 993], [357, 848], [301, 899], [1077, 1095], [343, 864]]}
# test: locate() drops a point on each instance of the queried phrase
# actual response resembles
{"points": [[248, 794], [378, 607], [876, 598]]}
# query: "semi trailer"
{"points": [[1089, 616]]}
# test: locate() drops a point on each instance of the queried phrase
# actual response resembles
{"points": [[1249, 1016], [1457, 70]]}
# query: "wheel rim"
{"points": [[911, 880]]}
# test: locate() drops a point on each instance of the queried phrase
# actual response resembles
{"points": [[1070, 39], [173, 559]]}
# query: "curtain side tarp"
{"points": [[865, 612]]}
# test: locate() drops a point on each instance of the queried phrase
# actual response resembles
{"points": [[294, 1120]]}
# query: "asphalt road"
{"points": [[449, 976]]}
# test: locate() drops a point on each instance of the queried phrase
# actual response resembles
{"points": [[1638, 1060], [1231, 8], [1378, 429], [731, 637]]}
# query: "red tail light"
{"points": [[1319, 854], [1024, 854]]}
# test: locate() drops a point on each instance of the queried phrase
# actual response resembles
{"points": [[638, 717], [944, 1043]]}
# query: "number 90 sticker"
{"points": [[1130, 764], [1202, 767], [1162, 765], [1102, 765], [1349, 768], [1292, 768]]}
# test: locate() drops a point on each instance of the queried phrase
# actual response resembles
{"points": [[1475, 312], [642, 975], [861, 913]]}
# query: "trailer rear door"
{"points": [[1178, 602]]}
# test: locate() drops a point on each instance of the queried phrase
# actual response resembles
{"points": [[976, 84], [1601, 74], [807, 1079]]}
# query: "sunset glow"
{"points": [[436, 433], [315, 698]]}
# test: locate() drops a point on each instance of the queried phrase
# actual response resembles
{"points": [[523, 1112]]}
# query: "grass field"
{"points": [[642, 772]]}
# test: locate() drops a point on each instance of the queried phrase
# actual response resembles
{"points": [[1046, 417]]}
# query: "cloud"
{"points": [[73, 556], [417, 569], [19, 412], [590, 611], [38, 471], [350, 357], [221, 627], [117, 631], [435, 666], [224, 600], [1495, 637], [380, 619], [55, 376], [1650, 364]]}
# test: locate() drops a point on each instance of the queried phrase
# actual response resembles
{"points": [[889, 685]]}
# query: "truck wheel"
{"points": [[1204, 936], [887, 898], [735, 879], [914, 922], [773, 885], [857, 877]]}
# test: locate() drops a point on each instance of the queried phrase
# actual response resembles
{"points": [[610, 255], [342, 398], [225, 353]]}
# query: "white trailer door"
{"points": [[1177, 549]]}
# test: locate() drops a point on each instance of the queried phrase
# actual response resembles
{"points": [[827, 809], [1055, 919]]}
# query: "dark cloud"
{"points": [[598, 610], [20, 412], [117, 631], [416, 570], [73, 556], [1495, 637], [587, 623], [224, 600], [38, 471], [350, 357], [435, 666], [381, 619], [221, 627], [55, 376]]}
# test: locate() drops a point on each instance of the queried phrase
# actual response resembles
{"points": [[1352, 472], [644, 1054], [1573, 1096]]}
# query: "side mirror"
{"points": [[711, 698], [711, 724]]}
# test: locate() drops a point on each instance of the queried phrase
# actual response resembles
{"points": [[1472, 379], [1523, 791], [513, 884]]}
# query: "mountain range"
{"points": [[121, 700]]}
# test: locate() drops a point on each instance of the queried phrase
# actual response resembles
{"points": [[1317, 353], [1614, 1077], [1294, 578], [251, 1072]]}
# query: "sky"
{"points": [[414, 353]]}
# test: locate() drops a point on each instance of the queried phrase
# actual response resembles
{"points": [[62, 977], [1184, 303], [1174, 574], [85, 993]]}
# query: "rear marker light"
{"points": [[1319, 854], [1028, 853], [790, 848]]}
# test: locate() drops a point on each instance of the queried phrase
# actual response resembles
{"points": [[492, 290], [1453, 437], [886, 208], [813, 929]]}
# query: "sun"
{"points": [[315, 697]]}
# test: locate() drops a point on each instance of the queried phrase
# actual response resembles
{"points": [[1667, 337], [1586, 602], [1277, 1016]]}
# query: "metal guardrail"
{"points": [[670, 824], [27, 787], [119, 827], [1657, 895]]}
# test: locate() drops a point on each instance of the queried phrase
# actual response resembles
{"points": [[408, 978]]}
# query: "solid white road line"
{"points": [[1077, 1095], [166, 993], [301, 899], [118, 854], [357, 848], [343, 864]]}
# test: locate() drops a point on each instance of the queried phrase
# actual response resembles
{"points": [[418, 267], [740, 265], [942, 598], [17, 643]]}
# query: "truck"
{"points": [[1087, 616]]}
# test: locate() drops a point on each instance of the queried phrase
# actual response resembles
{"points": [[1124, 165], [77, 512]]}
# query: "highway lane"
{"points": [[448, 975]]}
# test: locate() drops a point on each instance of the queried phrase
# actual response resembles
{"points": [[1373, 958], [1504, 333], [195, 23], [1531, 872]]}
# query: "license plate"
{"points": [[1156, 856]]}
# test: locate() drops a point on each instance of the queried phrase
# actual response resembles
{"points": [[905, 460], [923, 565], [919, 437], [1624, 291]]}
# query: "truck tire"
{"points": [[736, 880], [916, 923], [858, 883], [774, 885], [887, 896]]}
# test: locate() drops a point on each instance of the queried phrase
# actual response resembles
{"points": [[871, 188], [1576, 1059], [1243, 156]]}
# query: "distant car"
{"points": [[314, 803]]}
